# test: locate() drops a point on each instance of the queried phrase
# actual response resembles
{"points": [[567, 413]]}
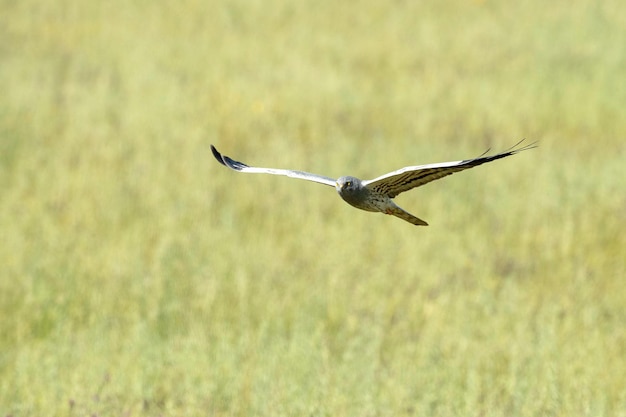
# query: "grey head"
{"points": [[352, 190]]}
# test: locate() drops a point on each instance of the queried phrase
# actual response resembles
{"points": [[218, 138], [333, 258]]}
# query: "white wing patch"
{"points": [[241, 167]]}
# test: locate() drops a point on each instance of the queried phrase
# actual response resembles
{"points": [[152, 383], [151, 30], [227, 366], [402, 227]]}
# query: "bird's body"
{"points": [[377, 195], [353, 192]]}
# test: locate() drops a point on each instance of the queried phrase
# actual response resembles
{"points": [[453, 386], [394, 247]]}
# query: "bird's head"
{"points": [[351, 190], [347, 184]]}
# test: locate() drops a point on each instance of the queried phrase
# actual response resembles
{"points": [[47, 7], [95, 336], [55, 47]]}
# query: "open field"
{"points": [[141, 278]]}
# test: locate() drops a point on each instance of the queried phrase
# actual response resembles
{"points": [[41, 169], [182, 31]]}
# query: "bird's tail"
{"points": [[398, 212]]}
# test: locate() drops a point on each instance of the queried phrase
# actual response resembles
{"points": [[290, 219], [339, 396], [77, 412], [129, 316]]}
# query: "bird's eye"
{"points": [[349, 183]]}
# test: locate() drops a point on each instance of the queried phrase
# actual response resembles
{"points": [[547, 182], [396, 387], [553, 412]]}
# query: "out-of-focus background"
{"points": [[140, 277]]}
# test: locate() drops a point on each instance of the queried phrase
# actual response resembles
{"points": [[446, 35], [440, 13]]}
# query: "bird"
{"points": [[376, 195]]}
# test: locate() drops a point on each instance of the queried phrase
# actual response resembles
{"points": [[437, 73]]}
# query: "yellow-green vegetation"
{"points": [[141, 278]]}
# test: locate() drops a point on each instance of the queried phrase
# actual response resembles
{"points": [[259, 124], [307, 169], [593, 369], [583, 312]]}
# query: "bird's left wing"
{"points": [[407, 178], [241, 167]]}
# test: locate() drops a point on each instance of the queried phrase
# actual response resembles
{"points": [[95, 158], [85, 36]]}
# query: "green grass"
{"points": [[141, 278]]}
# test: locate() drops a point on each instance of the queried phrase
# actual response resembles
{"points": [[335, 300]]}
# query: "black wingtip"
{"points": [[226, 161], [232, 164], [217, 155], [519, 148]]}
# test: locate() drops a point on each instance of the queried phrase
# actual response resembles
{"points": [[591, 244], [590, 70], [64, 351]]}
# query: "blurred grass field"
{"points": [[141, 278]]}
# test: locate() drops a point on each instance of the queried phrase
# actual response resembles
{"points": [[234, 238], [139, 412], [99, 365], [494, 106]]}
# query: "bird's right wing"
{"points": [[241, 167], [404, 179]]}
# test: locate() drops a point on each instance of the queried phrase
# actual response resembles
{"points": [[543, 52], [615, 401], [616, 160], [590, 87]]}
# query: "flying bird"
{"points": [[377, 194]]}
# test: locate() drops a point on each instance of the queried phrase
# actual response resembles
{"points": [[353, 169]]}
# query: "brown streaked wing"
{"points": [[407, 178]]}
